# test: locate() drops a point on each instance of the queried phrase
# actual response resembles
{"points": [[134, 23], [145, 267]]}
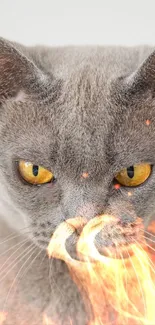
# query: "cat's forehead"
{"points": [[84, 97], [90, 121]]}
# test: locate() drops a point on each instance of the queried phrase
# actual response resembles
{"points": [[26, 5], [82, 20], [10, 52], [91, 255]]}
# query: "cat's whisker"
{"points": [[13, 265], [12, 247], [6, 300], [152, 241], [51, 280], [42, 260], [14, 252], [13, 237], [126, 288], [147, 274], [140, 286], [117, 276], [131, 303], [125, 292], [150, 263], [49, 275], [20, 229], [25, 271], [31, 263], [147, 232], [122, 259], [29, 266]]}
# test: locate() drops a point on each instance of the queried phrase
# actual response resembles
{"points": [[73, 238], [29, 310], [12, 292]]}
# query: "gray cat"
{"points": [[70, 110]]}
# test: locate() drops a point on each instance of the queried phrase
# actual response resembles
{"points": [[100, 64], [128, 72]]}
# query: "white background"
{"points": [[59, 22]]}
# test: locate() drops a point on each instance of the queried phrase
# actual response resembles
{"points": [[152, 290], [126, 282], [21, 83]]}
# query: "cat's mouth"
{"points": [[105, 235]]}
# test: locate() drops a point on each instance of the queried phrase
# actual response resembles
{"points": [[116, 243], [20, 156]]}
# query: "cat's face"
{"points": [[70, 127]]}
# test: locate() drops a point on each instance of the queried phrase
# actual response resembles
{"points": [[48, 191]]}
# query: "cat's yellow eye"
{"points": [[34, 174], [134, 175]]}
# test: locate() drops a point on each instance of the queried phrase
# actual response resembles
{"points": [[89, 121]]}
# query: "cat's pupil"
{"points": [[130, 171], [35, 170]]}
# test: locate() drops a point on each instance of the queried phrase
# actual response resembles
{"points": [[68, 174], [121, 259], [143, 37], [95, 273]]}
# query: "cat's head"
{"points": [[83, 129]]}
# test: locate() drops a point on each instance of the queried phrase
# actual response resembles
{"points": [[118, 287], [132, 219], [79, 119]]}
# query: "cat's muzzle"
{"points": [[103, 235]]}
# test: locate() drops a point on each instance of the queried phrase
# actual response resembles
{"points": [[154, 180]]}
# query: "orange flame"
{"points": [[115, 291], [85, 175], [2, 317], [151, 227], [147, 122], [47, 320]]}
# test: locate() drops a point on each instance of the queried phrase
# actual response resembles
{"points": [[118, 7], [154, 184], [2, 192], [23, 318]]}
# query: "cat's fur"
{"points": [[71, 110]]}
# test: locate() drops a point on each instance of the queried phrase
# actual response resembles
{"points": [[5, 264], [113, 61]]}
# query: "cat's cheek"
{"points": [[13, 216]]}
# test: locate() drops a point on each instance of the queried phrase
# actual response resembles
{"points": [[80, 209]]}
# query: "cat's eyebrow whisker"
{"points": [[33, 250], [16, 259]]}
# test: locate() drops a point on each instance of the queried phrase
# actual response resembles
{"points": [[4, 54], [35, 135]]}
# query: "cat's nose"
{"points": [[89, 211]]}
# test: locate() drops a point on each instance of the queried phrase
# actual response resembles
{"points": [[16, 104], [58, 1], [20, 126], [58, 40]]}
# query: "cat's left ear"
{"points": [[144, 77], [18, 74]]}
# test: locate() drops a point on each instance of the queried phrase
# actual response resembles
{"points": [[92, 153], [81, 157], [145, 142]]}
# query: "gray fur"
{"points": [[71, 110]]}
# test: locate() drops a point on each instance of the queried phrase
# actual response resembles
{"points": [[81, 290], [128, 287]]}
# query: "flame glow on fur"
{"points": [[115, 291]]}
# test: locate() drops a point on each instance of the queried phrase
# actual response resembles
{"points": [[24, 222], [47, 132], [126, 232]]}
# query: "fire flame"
{"points": [[2, 318], [115, 291], [47, 321], [151, 227]]}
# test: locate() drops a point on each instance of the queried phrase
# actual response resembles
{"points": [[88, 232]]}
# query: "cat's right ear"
{"points": [[143, 78], [18, 74]]}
